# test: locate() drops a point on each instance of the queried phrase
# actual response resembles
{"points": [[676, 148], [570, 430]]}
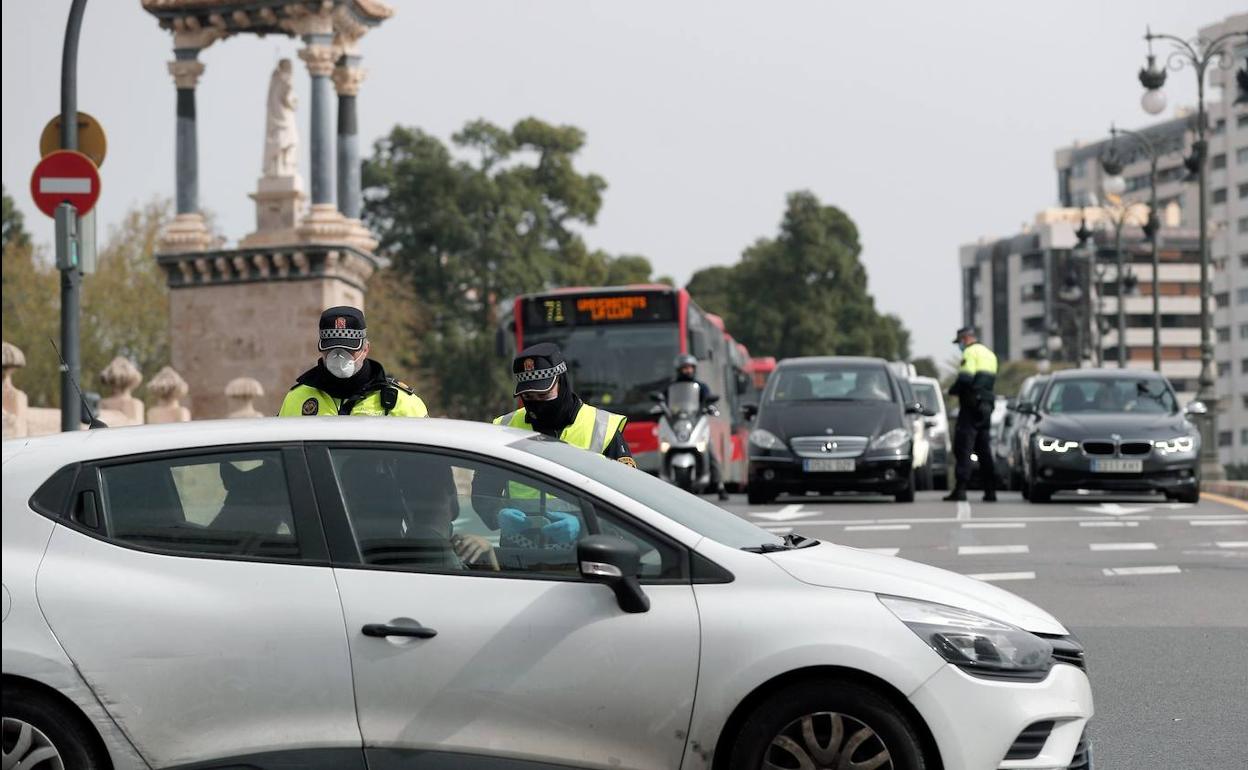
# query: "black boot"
{"points": [[957, 495], [723, 493], [990, 495]]}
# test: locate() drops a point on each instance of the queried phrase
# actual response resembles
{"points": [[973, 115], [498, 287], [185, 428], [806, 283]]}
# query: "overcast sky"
{"points": [[929, 123]]}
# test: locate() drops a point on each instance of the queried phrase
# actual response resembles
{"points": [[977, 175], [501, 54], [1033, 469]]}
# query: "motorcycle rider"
{"points": [[686, 371]]}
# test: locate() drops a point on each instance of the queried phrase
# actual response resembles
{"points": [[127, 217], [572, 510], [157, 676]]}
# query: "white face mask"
{"points": [[341, 363]]}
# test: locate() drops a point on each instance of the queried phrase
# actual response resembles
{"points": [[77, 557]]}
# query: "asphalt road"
{"points": [[1157, 591]]}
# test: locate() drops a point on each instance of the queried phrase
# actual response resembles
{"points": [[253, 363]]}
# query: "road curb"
{"points": [[1233, 489]]}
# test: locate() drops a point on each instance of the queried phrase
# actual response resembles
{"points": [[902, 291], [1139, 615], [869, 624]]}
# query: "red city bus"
{"points": [[760, 369], [621, 342]]}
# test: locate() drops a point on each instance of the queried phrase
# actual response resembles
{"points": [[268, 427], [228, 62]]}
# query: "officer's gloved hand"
{"points": [[563, 529], [512, 521]]}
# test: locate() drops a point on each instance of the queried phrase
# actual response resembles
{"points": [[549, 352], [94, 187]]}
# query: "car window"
{"points": [[430, 512], [927, 396], [691, 511], [1102, 395], [840, 382], [231, 504]]}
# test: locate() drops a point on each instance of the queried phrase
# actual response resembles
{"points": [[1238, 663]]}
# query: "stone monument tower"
{"points": [[251, 310]]}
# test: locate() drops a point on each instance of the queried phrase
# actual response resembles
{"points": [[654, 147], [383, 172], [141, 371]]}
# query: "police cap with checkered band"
{"points": [[342, 327]]}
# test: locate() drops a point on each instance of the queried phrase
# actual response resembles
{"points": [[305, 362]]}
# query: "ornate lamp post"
{"points": [[1197, 54], [1112, 164], [1118, 214]]}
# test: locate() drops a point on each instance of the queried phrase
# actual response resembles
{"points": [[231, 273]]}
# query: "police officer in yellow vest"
{"points": [[977, 376], [345, 380]]}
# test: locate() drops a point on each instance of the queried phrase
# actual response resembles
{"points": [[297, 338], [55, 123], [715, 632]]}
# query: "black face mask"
{"points": [[683, 376], [553, 416]]}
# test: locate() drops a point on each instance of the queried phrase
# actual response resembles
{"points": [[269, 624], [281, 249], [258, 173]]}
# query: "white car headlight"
{"points": [[1177, 445], [975, 643], [1049, 444], [894, 439], [764, 439]]}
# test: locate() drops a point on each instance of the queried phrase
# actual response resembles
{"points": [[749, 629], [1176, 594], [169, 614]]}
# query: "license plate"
{"points": [[1117, 466], [825, 466]]}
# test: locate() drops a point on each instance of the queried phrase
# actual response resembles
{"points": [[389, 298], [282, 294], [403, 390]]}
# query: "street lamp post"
{"points": [[1112, 165], [1198, 54]]}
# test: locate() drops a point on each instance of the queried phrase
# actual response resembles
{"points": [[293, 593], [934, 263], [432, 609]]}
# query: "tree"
{"points": [[803, 292], [926, 367], [125, 306], [464, 235], [14, 230]]}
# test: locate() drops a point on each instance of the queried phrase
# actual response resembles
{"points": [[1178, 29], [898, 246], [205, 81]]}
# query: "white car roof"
{"points": [[478, 437]]}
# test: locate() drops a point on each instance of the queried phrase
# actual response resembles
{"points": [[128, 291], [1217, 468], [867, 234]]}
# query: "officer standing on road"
{"points": [[345, 380], [976, 378], [686, 371]]}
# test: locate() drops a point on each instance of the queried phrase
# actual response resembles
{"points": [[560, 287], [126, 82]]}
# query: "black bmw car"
{"points": [[830, 425], [1110, 429]]}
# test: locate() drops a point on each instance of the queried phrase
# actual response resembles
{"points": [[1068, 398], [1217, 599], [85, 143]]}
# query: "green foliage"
{"points": [[803, 292], [125, 307], [926, 367], [464, 236], [14, 230]]}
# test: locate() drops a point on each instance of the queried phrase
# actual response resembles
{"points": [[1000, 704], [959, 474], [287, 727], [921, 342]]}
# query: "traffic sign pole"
{"points": [[66, 237]]}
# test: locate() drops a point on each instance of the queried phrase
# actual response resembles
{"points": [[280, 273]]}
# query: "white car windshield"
{"points": [[688, 510]]}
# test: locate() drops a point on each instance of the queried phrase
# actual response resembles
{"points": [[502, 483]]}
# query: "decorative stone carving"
{"points": [[281, 133], [168, 388], [300, 20], [186, 233], [320, 59], [15, 403], [121, 376], [347, 80], [242, 393], [191, 35], [186, 72]]}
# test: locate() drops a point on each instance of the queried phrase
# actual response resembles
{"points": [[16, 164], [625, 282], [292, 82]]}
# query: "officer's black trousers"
{"points": [[967, 438]]}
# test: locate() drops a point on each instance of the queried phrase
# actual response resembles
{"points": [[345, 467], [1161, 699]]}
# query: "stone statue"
{"points": [[281, 135]]}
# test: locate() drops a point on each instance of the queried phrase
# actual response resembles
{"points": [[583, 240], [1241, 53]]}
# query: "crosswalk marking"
{"points": [[1117, 571], [987, 550], [876, 527], [993, 525], [1218, 522], [997, 576], [1123, 546], [1232, 544]]}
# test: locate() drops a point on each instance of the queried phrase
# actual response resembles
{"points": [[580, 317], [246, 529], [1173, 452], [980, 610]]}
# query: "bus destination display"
{"points": [[599, 309]]}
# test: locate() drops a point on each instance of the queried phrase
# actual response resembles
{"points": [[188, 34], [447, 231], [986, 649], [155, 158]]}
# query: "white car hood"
{"points": [[838, 566]]}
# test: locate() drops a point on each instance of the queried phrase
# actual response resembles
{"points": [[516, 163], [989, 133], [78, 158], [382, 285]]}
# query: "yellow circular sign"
{"points": [[91, 139]]}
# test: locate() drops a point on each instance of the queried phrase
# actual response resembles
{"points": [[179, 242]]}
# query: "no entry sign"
{"points": [[65, 176]]}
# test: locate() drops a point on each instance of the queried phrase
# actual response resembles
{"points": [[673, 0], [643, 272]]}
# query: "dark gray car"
{"points": [[1110, 429]]}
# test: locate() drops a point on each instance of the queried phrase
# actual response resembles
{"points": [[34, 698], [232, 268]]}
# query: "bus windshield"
{"points": [[616, 367]]}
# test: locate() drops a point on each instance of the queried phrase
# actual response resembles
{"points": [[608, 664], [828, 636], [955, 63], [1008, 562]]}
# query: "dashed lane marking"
{"points": [[1218, 523], [779, 530], [993, 525], [1109, 524], [1123, 546], [1169, 569], [988, 550], [992, 577], [876, 527], [1232, 544], [964, 510]]}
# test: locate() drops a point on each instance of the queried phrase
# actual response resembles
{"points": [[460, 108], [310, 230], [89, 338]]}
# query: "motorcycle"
{"points": [[684, 436]]}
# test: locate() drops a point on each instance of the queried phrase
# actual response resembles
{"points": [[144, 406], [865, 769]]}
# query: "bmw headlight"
{"points": [[1049, 444], [764, 439], [975, 643], [1177, 445], [894, 439]]}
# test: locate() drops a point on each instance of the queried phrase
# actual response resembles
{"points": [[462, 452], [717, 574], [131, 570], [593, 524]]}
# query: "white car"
{"points": [[930, 395], [333, 592]]}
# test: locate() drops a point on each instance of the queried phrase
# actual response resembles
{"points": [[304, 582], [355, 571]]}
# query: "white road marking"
{"points": [[1212, 520], [1114, 509], [1222, 523], [1232, 544], [787, 513], [779, 530], [882, 551], [964, 510], [1123, 546], [996, 576], [876, 527], [993, 525], [987, 550], [1109, 524], [1116, 571]]}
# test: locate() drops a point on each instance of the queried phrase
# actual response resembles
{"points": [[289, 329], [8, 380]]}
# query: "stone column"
{"points": [[188, 231], [318, 54], [347, 78]]}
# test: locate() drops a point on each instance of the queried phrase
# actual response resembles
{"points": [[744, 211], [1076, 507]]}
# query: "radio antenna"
{"points": [[93, 421]]}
